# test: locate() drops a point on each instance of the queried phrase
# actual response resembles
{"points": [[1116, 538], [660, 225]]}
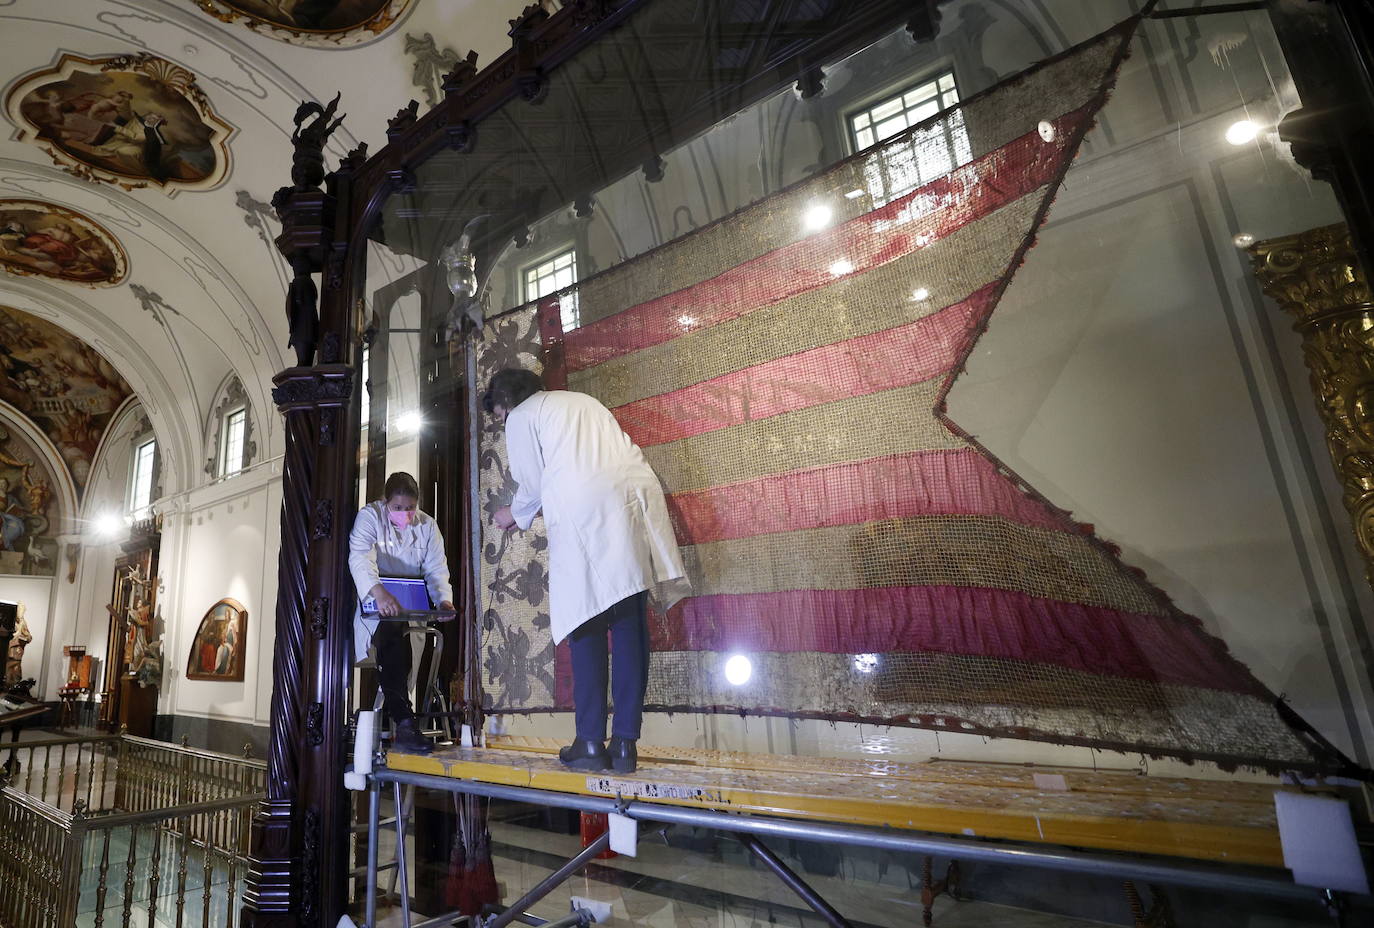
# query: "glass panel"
{"points": [[1129, 338]]}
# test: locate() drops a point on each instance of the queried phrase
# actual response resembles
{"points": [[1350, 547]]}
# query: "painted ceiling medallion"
{"points": [[131, 120], [47, 240], [310, 22], [61, 383]]}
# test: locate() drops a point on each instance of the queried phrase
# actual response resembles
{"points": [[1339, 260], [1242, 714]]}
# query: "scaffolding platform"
{"points": [[1203, 820]]}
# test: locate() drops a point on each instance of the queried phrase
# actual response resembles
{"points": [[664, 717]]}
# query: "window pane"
{"points": [[554, 274], [924, 111], [887, 108], [143, 476], [891, 127], [934, 150], [234, 427]]}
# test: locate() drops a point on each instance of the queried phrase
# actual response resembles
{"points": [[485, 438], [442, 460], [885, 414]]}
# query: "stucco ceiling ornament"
{"points": [[130, 120], [43, 239], [311, 23]]}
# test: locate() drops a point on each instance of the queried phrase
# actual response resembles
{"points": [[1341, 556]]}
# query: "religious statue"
{"points": [[303, 320], [140, 623], [19, 640]]}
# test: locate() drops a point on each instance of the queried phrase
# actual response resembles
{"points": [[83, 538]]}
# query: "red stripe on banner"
{"points": [[898, 357], [917, 483], [955, 620], [923, 216]]}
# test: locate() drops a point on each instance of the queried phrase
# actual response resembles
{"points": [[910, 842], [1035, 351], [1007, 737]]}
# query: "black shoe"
{"points": [[408, 739], [584, 755], [624, 757]]}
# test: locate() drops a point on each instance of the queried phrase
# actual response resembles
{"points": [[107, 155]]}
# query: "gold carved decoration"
{"points": [[1316, 277]]}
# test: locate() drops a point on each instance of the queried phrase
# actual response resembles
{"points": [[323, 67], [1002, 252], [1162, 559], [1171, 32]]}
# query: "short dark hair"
{"points": [[509, 388], [401, 484]]}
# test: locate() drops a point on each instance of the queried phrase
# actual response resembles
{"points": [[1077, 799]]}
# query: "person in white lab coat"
{"points": [[392, 538], [611, 545]]}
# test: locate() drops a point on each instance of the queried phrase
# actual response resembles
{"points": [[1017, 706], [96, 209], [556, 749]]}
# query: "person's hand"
{"points": [[503, 518], [386, 603]]}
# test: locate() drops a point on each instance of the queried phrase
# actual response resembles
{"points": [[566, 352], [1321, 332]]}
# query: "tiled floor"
{"points": [[714, 886]]}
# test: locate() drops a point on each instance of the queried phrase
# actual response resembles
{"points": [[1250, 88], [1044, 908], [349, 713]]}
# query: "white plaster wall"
{"points": [[219, 540], [222, 541]]}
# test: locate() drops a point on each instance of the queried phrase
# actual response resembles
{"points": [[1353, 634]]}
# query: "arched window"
{"points": [[143, 473], [230, 437]]}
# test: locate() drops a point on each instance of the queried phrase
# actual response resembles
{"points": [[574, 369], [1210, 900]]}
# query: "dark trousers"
{"points": [[628, 625], [393, 668]]}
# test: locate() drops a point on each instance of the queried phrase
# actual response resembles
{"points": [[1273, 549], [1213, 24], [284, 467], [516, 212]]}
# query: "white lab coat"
{"points": [[376, 548], [607, 521]]}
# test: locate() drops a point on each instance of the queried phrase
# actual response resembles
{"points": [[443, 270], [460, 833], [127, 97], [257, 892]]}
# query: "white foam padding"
{"points": [[365, 741], [1318, 839]]}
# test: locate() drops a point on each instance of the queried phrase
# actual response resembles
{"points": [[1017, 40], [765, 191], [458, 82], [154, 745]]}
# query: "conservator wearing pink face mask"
{"points": [[393, 538]]}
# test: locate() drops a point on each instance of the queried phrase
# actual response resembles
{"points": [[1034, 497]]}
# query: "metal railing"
{"points": [[115, 830]]}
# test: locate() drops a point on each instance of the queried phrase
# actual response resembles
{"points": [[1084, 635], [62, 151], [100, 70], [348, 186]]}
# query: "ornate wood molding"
{"points": [[1317, 278]]}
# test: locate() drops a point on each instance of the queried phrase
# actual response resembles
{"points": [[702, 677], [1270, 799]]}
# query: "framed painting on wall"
{"points": [[217, 652]]}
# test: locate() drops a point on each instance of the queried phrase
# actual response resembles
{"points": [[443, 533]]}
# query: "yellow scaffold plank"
{"points": [[1198, 819]]}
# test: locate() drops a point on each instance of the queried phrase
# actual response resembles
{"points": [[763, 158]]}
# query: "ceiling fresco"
{"points": [[131, 120], [310, 22], [46, 240], [61, 383], [29, 517]]}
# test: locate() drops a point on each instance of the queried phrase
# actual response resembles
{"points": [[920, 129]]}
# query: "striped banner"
{"points": [[869, 558]]}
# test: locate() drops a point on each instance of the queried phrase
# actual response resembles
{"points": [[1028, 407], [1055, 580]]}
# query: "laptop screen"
{"points": [[411, 593]]}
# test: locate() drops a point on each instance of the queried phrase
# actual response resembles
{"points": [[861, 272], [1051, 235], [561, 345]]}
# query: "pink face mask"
{"points": [[399, 519]]}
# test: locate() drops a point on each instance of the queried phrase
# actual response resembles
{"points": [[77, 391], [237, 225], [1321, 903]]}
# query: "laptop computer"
{"points": [[412, 594]]}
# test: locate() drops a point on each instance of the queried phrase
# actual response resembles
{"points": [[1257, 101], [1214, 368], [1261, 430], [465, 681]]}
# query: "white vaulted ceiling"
{"points": [[203, 296]]}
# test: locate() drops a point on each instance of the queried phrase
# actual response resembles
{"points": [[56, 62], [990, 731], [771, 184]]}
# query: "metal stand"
{"points": [[579, 918], [794, 882], [430, 700], [748, 828], [549, 884]]}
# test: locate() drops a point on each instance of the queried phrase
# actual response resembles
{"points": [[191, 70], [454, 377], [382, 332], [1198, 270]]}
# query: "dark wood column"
{"points": [[300, 835]]}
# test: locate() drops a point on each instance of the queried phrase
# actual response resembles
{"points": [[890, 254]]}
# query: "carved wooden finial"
{"points": [[354, 159], [405, 118], [463, 72]]}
